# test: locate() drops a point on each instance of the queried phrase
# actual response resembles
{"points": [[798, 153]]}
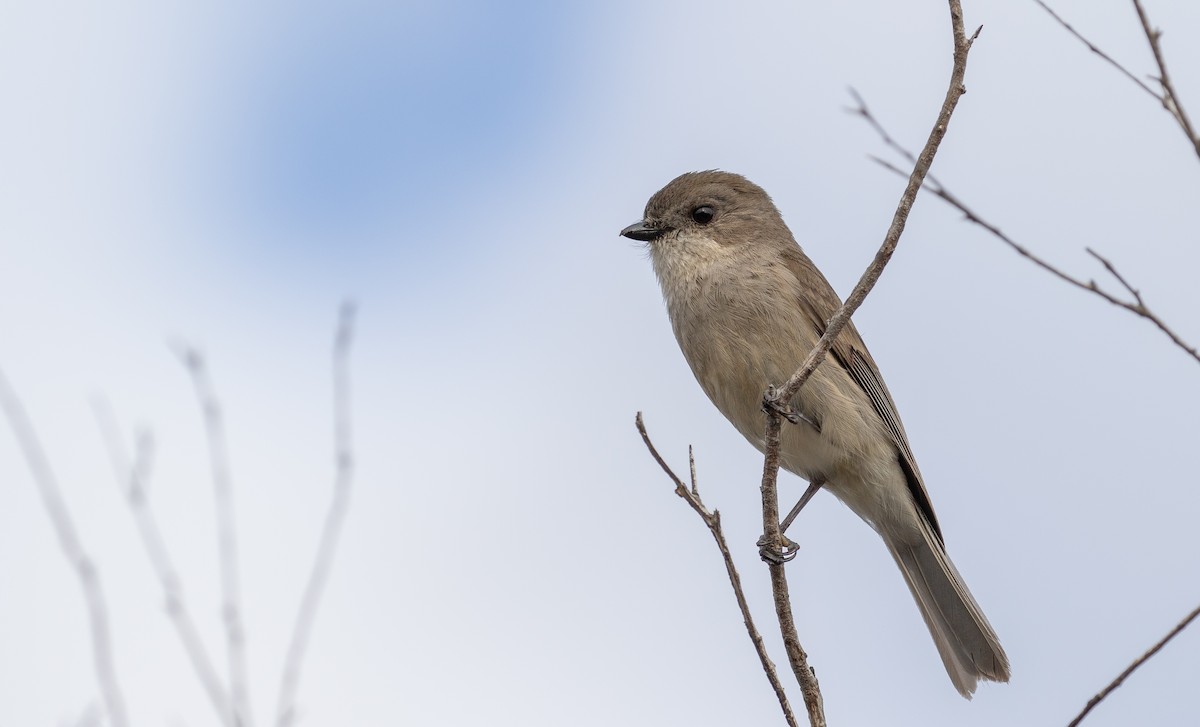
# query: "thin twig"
{"points": [[135, 478], [962, 46], [1132, 667], [343, 479], [777, 399], [862, 110], [1092, 47], [712, 519], [72, 548], [1137, 305], [1170, 99], [227, 550]]}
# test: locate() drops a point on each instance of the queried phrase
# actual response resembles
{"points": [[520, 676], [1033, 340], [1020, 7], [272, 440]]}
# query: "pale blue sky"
{"points": [[227, 173]]}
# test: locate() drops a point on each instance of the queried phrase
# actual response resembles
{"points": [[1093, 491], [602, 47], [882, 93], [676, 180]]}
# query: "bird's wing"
{"points": [[849, 351]]}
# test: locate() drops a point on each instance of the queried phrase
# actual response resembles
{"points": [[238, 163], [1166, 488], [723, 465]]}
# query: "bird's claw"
{"points": [[778, 556], [772, 403]]}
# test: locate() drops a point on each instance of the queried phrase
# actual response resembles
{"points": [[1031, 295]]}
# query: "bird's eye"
{"points": [[703, 215]]}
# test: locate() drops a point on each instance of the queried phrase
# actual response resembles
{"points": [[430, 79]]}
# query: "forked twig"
{"points": [[1169, 99], [712, 519], [1093, 48], [1137, 304], [135, 478]]}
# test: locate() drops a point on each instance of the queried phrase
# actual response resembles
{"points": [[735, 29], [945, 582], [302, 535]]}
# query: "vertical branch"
{"points": [[227, 551], [344, 469], [962, 46], [773, 538], [135, 477], [68, 540], [777, 401]]}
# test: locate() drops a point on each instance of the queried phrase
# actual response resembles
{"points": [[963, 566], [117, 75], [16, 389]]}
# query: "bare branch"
{"points": [[776, 401], [712, 519], [1137, 306], [1092, 47], [77, 557], [135, 478], [962, 46], [343, 479], [231, 606], [1132, 667], [772, 535], [1170, 99]]}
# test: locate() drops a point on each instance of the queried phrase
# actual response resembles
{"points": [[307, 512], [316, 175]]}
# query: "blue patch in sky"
{"points": [[365, 113]]}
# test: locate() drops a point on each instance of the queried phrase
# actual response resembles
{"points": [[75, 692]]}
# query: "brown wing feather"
{"points": [[850, 352]]}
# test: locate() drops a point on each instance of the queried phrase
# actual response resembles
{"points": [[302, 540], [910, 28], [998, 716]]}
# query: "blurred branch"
{"points": [[1132, 667], [1169, 99], [343, 479], [91, 716], [712, 519], [68, 539], [135, 478], [231, 610]]}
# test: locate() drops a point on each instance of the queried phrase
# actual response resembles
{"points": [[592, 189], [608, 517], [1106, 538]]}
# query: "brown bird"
{"points": [[747, 306]]}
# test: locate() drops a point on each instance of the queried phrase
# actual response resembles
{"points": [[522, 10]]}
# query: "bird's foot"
{"points": [[772, 403], [778, 555]]}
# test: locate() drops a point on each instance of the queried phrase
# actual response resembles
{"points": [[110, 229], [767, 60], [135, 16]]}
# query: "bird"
{"points": [[747, 305]]}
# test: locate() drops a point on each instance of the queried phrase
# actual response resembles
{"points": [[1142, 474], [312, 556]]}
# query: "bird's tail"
{"points": [[965, 640]]}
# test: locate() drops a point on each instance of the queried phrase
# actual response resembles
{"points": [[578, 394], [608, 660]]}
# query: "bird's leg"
{"points": [[813, 486], [790, 547], [772, 403]]}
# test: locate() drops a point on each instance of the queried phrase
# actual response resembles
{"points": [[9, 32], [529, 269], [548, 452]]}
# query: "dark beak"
{"points": [[642, 231]]}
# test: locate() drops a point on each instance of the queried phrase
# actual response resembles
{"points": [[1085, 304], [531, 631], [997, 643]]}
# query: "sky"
{"points": [[223, 175]]}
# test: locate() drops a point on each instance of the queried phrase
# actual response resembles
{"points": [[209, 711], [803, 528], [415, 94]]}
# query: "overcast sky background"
{"points": [[226, 173]]}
